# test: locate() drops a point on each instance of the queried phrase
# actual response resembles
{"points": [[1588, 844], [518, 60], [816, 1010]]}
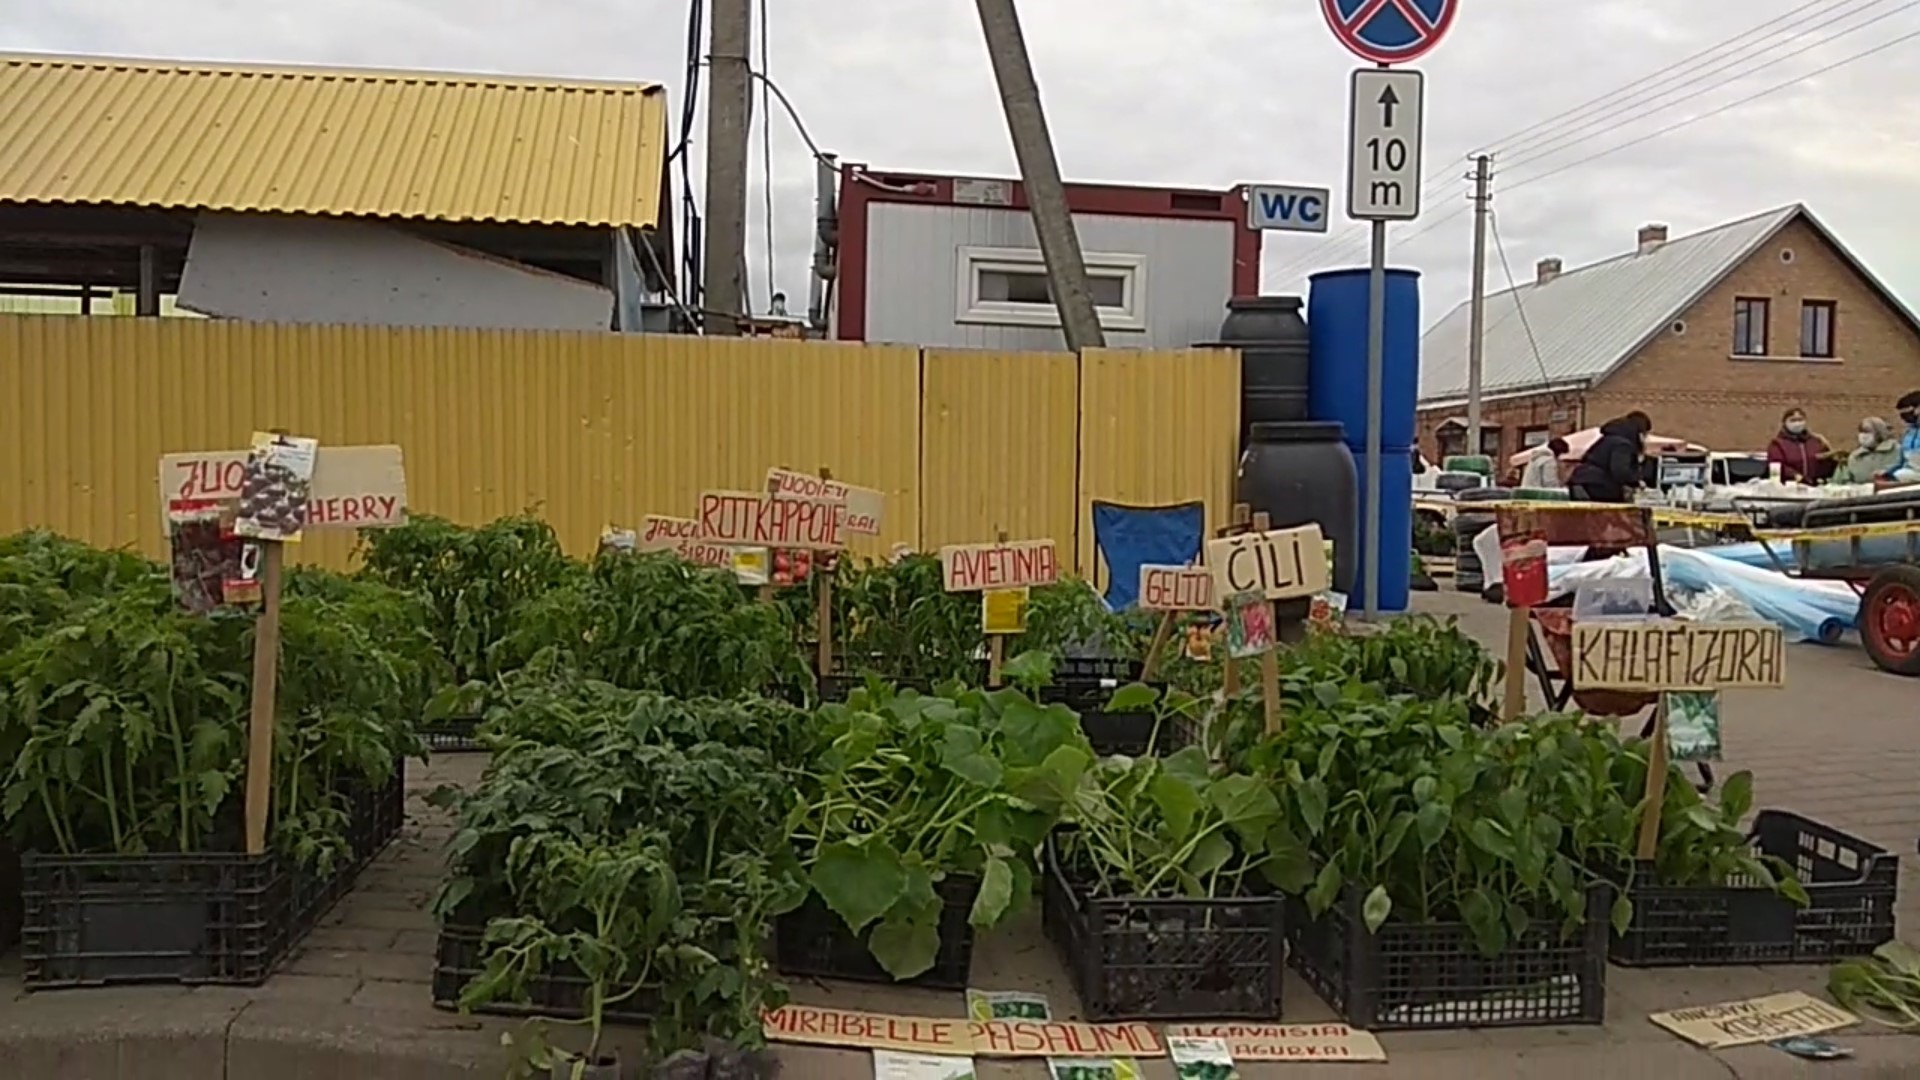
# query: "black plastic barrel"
{"points": [[1302, 473], [1271, 334]]}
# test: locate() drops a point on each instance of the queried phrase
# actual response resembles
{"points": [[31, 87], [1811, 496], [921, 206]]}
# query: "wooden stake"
{"points": [[823, 610], [266, 677], [1656, 784], [996, 643], [1230, 679], [1269, 660], [1156, 646], [1519, 625]]}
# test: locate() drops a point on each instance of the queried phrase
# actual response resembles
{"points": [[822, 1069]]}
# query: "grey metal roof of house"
{"points": [[1588, 321]]}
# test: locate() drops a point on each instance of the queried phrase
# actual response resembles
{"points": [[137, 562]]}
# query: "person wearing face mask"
{"points": [[1909, 406], [1878, 453], [1801, 455]]}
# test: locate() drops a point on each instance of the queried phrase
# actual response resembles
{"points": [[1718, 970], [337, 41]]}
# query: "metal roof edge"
{"points": [[300, 70]]}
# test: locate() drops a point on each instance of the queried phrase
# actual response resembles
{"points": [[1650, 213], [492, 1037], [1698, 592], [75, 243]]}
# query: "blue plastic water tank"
{"points": [[1396, 530], [1337, 353]]}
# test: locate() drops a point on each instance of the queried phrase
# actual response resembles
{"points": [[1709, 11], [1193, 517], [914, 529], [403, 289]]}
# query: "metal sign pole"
{"points": [[1376, 376]]}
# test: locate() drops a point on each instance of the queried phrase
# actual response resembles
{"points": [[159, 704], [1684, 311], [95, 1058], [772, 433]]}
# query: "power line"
{"points": [[1649, 137], [1513, 290]]}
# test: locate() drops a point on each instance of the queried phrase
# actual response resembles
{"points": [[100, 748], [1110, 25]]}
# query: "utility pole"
{"points": [[729, 124], [1477, 314], [1040, 173]]}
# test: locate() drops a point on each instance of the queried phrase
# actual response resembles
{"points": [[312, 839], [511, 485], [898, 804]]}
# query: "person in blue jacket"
{"points": [[1909, 406]]}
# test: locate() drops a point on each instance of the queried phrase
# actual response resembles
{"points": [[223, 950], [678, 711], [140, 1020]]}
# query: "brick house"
{"points": [[1714, 335]]}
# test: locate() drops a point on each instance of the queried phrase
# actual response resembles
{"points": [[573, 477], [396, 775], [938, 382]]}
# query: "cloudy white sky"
{"points": [[1157, 92]]}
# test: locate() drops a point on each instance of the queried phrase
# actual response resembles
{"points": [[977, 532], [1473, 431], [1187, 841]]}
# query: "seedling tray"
{"points": [[1162, 959], [1852, 887], [454, 735], [560, 992], [1431, 976], [813, 941]]}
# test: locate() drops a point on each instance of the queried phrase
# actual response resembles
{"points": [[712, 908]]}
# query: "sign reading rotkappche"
{"points": [[756, 519], [1010, 564], [1671, 654]]}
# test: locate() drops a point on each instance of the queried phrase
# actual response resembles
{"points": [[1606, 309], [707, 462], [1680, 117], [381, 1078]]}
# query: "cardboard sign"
{"points": [[755, 519], [863, 505], [959, 1037], [1283, 564], [353, 487], [682, 537], [1670, 654], [1756, 1020], [1175, 588], [1003, 611], [1010, 564], [1287, 1042]]}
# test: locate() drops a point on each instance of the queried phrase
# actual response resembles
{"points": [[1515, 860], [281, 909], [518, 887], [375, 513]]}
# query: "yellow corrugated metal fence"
{"points": [[596, 429]]}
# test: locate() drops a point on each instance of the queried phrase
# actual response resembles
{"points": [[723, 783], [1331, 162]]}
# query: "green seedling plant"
{"points": [[1883, 988], [896, 620], [908, 790]]}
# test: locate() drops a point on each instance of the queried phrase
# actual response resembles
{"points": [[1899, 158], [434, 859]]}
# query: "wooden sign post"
{"points": [[352, 487], [1260, 567], [1665, 655], [1002, 566], [858, 512], [1242, 521], [1171, 590]]}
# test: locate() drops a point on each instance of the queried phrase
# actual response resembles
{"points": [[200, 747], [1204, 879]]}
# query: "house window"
{"points": [[1750, 326], [1816, 329], [1453, 442], [1490, 440], [1534, 436], [1009, 287]]}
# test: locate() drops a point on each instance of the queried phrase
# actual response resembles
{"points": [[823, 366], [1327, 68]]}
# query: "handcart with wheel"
{"points": [[1550, 660], [1872, 543]]}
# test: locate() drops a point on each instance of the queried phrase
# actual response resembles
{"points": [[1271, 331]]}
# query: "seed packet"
{"points": [[276, 485]]}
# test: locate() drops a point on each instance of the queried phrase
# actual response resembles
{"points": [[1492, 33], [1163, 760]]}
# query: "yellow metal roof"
{"points": [[346, 143]]}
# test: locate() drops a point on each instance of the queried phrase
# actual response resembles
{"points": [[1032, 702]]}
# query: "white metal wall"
{"points": [[913, 275]]}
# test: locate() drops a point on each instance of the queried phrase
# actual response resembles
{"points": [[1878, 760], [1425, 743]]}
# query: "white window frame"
{"points": [[973, 261]]}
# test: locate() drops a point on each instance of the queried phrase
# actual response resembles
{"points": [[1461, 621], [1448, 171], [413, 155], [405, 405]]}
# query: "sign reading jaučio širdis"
{"points": [[1008, 564], [1283, 564], [1669, 654]]}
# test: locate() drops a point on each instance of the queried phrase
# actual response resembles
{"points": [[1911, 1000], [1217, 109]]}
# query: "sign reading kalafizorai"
{"points": [[1669, 654]]}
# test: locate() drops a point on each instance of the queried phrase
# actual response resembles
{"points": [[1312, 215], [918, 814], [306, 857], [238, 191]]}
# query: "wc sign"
{"points": [[1277, 208]]}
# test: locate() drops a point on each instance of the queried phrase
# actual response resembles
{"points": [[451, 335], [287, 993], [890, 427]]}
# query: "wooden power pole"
{"points": [[1040, 174], [729, 126]]}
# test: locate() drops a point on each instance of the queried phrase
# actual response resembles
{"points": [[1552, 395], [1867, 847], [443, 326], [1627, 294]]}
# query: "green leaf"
{"points": [[1210, 854], [1488, 837], [1178, 802], [1736, 795], [1326, 889], [905, 949], [1431, 821], [995, 895], [1482, 917], [1288, 864], [962, 753], [1244, 803], [859, 882], [1312, 797], [1133, 697], [1053, 781], [1425, 789], [1376, 908], [1396, 834]]}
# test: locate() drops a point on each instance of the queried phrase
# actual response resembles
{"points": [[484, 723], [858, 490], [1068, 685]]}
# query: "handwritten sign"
{"points": [[1283, 564], [1670, 654], [1761, 1019], [862, 506], [681, 536], [755, 519], [1287, 1042], [1005, 565], [960, 1037], [353, 487], [1175, 588]]}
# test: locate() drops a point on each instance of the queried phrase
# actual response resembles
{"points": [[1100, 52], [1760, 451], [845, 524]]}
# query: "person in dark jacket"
{"points": [[1802, 455], [1610, 469]]}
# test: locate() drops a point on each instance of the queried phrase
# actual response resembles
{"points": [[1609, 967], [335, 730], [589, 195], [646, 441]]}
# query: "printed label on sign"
{"points": [[1288, 1042], [1669, 654], [353, 487], [1010, 565], [1762, 1019], [1283, 564], [1175, 588], [1003, 611], [900, 1065], [753, 519]]}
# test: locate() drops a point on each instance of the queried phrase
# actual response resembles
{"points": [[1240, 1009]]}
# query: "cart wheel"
{"points": [[1890, 620]]}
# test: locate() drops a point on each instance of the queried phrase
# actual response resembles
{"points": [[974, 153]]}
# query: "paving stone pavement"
{"points": [[1841, 744]]}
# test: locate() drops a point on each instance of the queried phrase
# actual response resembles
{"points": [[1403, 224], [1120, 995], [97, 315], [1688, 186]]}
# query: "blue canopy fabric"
{"points": [[1129, 537]]}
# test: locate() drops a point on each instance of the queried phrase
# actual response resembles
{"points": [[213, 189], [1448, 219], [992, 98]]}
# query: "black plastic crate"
{"points": [[813, 941], [1431, 976], [560, 993], [1155, 959], [9, 896], [1096, 670], [96, 920], [1133, 733], [455, 735], [375, 814], [1851, 885]]}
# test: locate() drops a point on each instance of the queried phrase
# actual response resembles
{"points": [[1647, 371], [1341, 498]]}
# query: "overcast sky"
{"points": [[1212, 94]]}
